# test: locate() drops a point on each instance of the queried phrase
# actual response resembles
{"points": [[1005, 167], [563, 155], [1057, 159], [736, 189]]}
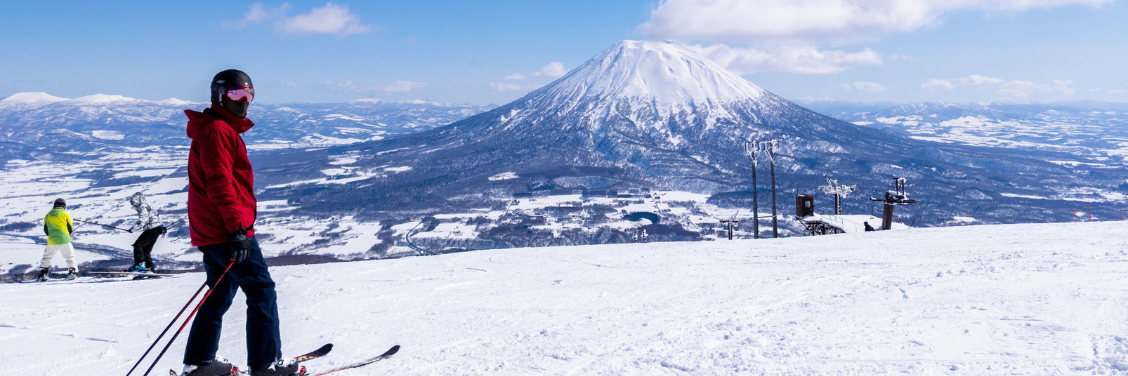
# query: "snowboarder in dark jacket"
{"points": [[868, 227], [221, 217], [149, 223]]}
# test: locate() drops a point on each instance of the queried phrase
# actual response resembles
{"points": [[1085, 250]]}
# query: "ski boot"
{"points": [[217, 367], [136, 268], [72, 273], [42, 277], [283, 367]]}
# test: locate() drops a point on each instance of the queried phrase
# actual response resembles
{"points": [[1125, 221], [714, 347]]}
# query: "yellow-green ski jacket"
{"points": [[58, 227]]}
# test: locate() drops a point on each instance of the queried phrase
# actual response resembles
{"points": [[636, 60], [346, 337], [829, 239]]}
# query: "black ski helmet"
{"points": [[227, 79]]}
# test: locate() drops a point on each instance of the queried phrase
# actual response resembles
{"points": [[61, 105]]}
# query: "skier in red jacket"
{"points": [[221, 217]]}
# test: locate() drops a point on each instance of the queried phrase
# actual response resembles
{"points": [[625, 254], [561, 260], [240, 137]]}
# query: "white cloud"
{"points": [[403, 86], [330, 19], [1116, 91], [290, 84], [865, 86], [347, 86], [976, 79], [897, 56], [786, 35], [515, 76], [395, 87], [972, 80], [934, 82], [1013, 88], [259, 13], [809, 100], [756, 21], [553, 69], [798, 59], [502, 86], [1020, 88], [1064, 87]]}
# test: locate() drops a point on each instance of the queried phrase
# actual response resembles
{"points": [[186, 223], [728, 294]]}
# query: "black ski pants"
{"points": [[143, 247], [264, 343]]}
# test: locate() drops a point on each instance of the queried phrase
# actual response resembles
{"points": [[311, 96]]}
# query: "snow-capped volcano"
{"points": [[652, 114], [664, 76], [651, 90], [650, 108]]}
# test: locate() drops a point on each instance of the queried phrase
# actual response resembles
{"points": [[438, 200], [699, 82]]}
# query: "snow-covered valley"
{"points": [[972, 300]]}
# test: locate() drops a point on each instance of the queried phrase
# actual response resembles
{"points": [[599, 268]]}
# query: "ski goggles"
{"points": [[237, 93]]}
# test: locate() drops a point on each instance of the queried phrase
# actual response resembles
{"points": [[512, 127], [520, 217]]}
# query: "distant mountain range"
{"points": [[31, 122], [1090, 132]]}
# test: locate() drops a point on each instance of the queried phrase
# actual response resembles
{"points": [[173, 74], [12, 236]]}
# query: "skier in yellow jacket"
{"points": [[58, 227]]}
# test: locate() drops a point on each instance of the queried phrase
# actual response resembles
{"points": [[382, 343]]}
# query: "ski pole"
{"points": [[170, 323], [174, 335], [99, 224], [146, 188]]}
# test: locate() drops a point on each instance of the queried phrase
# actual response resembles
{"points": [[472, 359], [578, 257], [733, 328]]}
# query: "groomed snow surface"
{"points": [[974, 300]]}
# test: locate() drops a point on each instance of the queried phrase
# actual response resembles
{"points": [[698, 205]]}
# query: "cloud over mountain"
{"points": [[789, 36]]}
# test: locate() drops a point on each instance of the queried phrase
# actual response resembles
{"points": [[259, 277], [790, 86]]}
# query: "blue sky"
{"points": [[496, 51]]}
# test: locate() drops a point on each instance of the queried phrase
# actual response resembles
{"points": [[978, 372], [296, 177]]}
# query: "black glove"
{"points": [[161, 230], [240, 243]]}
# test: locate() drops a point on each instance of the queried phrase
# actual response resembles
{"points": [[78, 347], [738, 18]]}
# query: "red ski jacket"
{"points": [[221, 196]]}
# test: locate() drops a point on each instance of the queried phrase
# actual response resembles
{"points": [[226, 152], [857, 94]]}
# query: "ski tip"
{"points": [[391, 351], [325, 349]]}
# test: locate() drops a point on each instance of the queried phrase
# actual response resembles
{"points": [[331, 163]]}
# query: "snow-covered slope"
{"points": [[976, 300]]}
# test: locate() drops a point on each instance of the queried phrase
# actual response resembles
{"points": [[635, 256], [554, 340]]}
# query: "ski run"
{"points": [[1028, 299]]}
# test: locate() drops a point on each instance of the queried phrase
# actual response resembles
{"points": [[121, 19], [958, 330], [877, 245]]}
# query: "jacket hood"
{"points": [[137, 200], [197, 120]]}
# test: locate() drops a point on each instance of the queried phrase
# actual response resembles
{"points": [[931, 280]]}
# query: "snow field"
{"points": [[974, 300]]}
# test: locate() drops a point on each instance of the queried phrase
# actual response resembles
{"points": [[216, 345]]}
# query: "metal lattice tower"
{"points": [[838, 190]]}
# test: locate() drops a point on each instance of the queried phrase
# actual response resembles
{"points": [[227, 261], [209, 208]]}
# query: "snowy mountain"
{"points": [[1041, 299], [1091, 133], [28, 100], [30, 120], [652, 115]]}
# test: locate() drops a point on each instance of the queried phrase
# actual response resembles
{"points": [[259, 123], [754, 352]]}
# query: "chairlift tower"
{"points": [[772, 147], [893, 197], [730, 224], [753, 149], [839, 192]]}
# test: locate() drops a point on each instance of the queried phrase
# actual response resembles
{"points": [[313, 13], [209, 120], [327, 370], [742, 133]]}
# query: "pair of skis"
{"points": [[136, 275], [322, 352]]}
